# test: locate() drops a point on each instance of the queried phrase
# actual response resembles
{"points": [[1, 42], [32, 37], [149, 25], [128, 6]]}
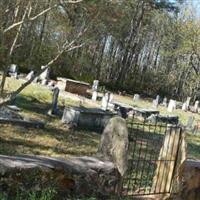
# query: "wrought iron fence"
{"points": [[153, 154]]}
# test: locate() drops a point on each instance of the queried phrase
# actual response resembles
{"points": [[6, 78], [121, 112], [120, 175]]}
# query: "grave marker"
{"points": [[196, 106], [188, 102], [13, 70], [136, 97], [105, 101], [184, 107], [165, 102], [95, 90], [54, 108], [190, 122], [171, 106], [156, 102], [30, 75], [44, 75]]}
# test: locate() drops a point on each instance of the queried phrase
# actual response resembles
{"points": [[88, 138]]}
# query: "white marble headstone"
{"points": [[171, 105], [104, 103], [136, 97], [30, 75], [45, 74], [196, 106], [184, 107], [94, 95]]}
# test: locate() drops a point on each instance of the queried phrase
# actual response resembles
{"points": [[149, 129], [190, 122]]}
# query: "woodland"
{"points": [[148, 47]]}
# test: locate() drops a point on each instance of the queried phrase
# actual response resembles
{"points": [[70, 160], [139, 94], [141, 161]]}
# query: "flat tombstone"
{"points": [[114, 144], [171, 106], [196, 106], [136, 97]]}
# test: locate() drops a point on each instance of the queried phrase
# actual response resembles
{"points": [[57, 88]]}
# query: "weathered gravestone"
{"points": [[86, 118], [196, 106], [156, 102], [165, 102], [190, 122], [105, 101], [30, 75], [12, 71], [45, 74], [136, 97], [188, 102], [184, 107], [54, 108], [171, 105], [95, 90], [114, 144]]}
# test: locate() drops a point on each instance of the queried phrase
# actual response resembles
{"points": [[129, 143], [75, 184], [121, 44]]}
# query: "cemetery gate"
{"points": [[153, 157]]}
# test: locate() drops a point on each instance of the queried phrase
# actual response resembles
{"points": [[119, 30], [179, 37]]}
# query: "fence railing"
{"points": [[153, 157]]}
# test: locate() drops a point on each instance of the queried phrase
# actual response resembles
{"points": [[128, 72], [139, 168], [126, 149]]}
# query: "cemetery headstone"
{"points": [[55, 101], [114, 144], [184, 107], [44, 75], [171, 105], [136, 97], [111, 98], [156, 102], [105, 101], [30, 75], [190, 122], [13, 70], [165, 102], [196, 106], [95, 90], [95, 85], [188, 102], [44, 82], [94, 95]]}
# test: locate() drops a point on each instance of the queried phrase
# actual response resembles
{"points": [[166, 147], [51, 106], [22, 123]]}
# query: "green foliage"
{"points": [[45, 194]]}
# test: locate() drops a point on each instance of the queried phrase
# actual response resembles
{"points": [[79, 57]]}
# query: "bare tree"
{"points": [[17, 27]]}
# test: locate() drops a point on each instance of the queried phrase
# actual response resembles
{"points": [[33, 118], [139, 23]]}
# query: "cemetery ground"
{"points": [[55, 139]]}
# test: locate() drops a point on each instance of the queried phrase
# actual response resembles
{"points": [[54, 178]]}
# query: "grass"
{"points": [[55, 140], [193, 141]]}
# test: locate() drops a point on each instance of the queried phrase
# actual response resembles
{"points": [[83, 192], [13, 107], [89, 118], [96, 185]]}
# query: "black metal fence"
{"points": [[153, 154]]}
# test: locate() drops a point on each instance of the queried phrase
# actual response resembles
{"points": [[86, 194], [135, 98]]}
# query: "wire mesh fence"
{"points": [[153, 154]]}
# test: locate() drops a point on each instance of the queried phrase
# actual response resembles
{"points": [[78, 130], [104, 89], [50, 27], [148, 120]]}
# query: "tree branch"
{"points": [[30, 18], [39, 14], [13, 95]]}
